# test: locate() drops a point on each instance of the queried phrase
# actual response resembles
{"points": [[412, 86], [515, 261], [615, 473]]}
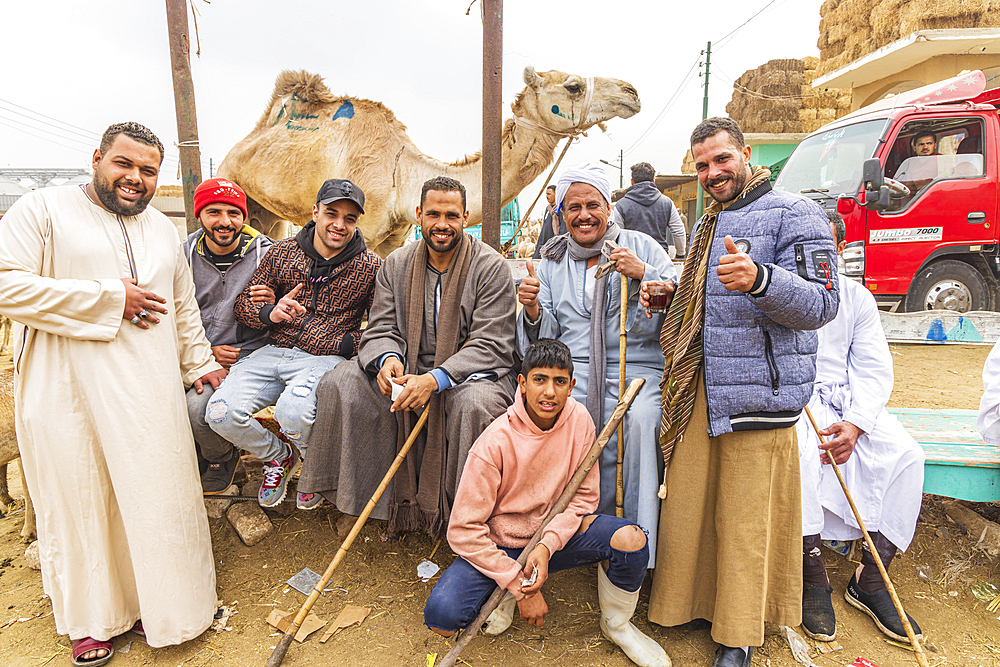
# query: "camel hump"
{"points": [[307, 87]]}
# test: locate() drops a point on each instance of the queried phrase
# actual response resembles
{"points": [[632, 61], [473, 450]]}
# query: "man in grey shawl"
{"points": [[451, 349], [564, 301]]}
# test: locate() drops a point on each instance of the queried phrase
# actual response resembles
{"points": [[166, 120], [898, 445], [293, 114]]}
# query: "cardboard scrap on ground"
{"points": [[282, 620], [350, 615], [828, 647]]}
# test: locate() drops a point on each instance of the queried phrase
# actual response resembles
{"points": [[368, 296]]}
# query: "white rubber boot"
{"points": [[617, 608], [502, 616]]}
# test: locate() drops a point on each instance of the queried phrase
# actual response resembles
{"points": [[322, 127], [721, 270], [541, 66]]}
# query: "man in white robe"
{"points": [[881, 462], [109, 335], [989, 405], [559, 303]]}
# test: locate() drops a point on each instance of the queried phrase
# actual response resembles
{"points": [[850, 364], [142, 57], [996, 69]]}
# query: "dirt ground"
{"points": [[933, 579]]}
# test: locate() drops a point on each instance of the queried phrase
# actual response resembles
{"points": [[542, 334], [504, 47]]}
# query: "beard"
{"points": [[736, 185], [105, 190], [213, 234], [442, 247]]}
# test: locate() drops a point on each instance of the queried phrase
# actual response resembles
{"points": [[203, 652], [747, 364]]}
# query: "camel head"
{"points": [[555, 100]]}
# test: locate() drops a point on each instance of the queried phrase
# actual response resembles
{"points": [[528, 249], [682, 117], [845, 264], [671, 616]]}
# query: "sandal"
{"points": [[81, 646], [137, 629]]}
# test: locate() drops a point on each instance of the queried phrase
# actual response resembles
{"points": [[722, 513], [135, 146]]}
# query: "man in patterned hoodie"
{"points": [[325, 277]]}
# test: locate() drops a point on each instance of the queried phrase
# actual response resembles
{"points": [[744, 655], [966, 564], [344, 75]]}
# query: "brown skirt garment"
{"points": [[730, 532]]}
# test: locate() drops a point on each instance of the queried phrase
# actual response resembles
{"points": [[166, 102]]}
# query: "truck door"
{"points": [[949, 210]]}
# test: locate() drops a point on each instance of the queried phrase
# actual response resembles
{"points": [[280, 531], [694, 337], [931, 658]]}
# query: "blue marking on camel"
{"points": [[346, 110]]}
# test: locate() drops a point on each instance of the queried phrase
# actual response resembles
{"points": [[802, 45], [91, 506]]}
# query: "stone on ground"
{"points": [[250, 522]]}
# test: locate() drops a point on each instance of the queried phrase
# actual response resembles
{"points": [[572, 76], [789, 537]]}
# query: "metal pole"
{"points": [[700, 203], [621, 169], [211, 170], [492, 118], [187, 119]]}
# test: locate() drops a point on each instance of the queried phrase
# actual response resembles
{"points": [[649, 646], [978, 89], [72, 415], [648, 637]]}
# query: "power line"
{"points": [[666, 107], [720, 42]]}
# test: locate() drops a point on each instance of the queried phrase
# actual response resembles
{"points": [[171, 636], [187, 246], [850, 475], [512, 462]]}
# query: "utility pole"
{"points": [[211, 171], [187, 119], [700, 204], [492, 118], [620, 166]]}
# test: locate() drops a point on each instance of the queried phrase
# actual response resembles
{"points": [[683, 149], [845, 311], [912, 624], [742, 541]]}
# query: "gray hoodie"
{"points": [[645, 209], [216, 294]]}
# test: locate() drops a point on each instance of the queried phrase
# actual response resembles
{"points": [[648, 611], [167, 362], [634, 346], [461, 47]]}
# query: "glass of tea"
{"points": [[659, 297]]}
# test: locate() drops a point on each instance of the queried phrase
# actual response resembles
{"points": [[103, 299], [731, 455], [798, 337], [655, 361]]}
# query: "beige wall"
{"points": [[927, 72]]}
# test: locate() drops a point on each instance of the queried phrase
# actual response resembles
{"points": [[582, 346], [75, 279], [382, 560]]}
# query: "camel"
{"points": [[307, 135]]}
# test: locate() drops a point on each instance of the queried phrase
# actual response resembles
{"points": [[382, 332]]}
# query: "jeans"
{"points": [[279, 376], [462, 590], [211, 446]]}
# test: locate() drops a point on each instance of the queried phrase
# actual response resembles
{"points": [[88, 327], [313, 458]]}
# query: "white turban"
{"points": [[590, 173]]}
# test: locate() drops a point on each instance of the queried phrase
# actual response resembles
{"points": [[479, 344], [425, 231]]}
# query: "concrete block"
{"points": [[217, 505], [31, 556], [250, 522]]}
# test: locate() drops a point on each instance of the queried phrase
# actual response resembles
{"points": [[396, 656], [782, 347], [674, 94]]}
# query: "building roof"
{"points": [[911, 50]]}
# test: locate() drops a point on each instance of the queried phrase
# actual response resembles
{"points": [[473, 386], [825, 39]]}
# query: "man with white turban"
{"points": [[565, 301]]}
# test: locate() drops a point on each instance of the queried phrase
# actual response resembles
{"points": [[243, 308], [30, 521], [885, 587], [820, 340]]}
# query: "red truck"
{"points": [[915, 177]]}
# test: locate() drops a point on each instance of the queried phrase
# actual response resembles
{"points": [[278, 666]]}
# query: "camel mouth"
{"points": [[633, 106]]}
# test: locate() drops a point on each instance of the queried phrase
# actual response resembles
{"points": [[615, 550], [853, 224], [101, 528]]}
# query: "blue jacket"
{"points": [[760, 347]]}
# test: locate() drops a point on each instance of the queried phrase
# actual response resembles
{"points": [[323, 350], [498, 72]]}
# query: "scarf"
{"points": [[556, 250], [552, 210], [321, 268], [680, 337], [420, 501]]}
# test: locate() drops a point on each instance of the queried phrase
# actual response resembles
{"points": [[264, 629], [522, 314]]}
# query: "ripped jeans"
{"points": [[283, 377], [462, 590]]}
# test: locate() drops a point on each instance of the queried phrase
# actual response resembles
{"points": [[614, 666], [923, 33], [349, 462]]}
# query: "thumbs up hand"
{"points": [[736, 270], [527, 292]]}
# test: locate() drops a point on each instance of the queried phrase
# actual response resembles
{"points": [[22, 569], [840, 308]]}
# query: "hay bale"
{"points": [[807, 114], [687, 165], [826, 115]]}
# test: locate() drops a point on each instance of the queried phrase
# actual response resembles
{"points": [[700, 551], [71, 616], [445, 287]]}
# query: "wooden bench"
{"points": [[959, 463]]}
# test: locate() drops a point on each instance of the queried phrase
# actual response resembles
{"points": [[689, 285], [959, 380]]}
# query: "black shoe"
{"points": [[818, 618], [220, 476], [732, 657], [879, 606]]}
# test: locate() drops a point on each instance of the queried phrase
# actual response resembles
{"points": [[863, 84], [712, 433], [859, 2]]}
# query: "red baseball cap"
{"points": [[219, 191]]}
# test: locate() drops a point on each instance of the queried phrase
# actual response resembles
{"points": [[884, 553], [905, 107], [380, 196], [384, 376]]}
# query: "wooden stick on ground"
{"points": [[917, 650], [574, 483], [279, 651], [622, 339]]}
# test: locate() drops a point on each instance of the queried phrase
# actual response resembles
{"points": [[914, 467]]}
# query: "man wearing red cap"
{"points": [[223, 255], [325, 277]]}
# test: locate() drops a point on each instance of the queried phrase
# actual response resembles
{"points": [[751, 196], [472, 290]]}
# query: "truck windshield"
{"points": [[829, 163]]}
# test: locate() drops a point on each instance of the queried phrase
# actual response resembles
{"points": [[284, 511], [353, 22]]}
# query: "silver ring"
{"points": [[143, 314], [135, 320]]}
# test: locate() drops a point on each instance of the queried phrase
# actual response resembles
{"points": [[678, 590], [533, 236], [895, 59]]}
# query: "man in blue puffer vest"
{"points": [[739, 343]]}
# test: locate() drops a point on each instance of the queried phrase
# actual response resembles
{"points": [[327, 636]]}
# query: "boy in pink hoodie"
{"points": [[515, 473]]}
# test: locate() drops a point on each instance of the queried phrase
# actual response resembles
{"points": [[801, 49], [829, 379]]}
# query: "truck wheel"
{"points": [[948, 285]]}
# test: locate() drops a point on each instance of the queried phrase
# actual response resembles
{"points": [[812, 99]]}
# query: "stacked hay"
{"points": [[778, 98], [687, 167], [850, 29]]}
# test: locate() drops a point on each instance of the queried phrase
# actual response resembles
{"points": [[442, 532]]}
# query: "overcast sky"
{"points": [[89, 63]]}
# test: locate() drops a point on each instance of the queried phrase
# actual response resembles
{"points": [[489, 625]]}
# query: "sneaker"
{"points": [[220, 476], [732, 657], [879, 606], [818, 618], [276, 476], [308, 501]]}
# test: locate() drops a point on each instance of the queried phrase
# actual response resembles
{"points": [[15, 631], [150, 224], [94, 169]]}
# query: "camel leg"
{"points": [[265, 221], [5, 498], [28, 531], [5, 327], [394, 240]]}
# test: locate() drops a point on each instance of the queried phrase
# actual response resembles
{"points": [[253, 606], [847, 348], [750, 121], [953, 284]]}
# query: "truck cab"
{"points": [[922, 225]]}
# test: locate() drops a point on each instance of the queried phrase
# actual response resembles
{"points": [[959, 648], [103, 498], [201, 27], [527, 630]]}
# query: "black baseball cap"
{"points": [[341, 188]]}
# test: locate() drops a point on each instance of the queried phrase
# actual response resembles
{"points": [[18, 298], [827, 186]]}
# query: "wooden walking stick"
{"points": [[574, 483], [279, 651], [620, 479], [917, 650]]}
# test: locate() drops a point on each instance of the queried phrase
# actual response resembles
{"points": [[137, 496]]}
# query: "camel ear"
{"points": [[531, 78]]}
